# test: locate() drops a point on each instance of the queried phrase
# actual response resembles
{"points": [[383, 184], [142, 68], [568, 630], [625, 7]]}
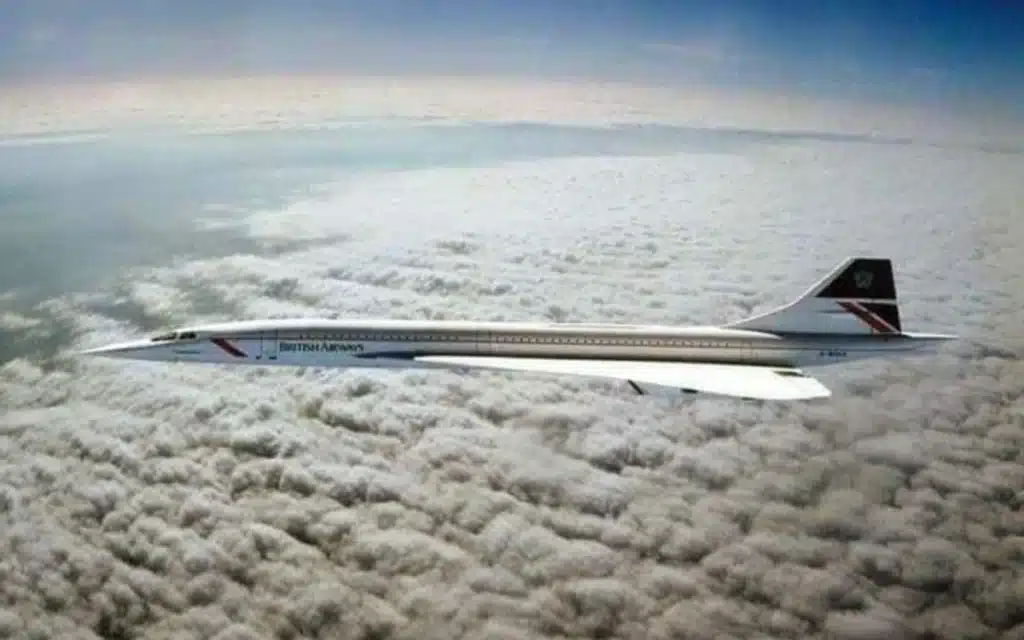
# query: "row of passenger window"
{"points": [[385, 337], [622, 342], [514, 339]]}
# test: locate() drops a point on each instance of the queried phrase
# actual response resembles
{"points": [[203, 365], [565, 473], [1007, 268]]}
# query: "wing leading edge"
{"points": [[733, 380]]}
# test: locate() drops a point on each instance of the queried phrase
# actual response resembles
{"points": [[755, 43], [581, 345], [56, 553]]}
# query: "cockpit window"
{"points": [[174, 335]]}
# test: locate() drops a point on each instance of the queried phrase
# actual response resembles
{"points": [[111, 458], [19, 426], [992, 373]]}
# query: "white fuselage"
{"points": [[394, 343]]}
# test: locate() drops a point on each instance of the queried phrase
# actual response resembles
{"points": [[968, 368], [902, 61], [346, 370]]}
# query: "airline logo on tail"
{"points": [[866, 289], [863, 279]]}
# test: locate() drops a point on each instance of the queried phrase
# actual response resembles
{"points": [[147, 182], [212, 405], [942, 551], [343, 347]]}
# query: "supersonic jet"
{"points": [[852, 313]]}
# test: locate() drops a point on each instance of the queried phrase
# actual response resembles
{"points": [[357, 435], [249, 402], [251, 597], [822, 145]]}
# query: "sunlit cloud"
{"points": [[148, 499], [503, 161]]}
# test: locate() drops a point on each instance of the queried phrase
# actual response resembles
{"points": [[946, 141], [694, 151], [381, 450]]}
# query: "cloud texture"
{"points": [[192, 502]]}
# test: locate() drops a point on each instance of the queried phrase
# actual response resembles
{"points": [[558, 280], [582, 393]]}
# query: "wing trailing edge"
{"points": [[732, 380]]}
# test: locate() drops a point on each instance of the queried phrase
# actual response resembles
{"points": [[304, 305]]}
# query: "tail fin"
{"points": [[857, 297]]}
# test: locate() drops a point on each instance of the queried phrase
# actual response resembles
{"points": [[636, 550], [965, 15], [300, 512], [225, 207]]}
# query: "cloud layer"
{"points": [[177, 502], [41, 112]]}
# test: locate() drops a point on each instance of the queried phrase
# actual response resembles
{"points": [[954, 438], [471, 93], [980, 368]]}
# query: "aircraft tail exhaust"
{"points": [[858, 297]]}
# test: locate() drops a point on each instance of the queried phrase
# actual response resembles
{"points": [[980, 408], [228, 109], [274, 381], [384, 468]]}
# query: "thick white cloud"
{"points": [[242, 503]]}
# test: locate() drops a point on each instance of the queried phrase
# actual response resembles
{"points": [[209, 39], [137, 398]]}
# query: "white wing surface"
{"points": [[733, 380]]}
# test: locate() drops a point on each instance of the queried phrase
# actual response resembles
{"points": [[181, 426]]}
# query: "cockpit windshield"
{"points": [[174, 335]]}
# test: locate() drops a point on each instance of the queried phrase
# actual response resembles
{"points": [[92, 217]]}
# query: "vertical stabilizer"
{"points": [[858, 297]]}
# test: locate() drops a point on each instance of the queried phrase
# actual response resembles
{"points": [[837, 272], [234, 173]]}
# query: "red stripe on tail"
{"points": [[228, 347], [868, 318]]}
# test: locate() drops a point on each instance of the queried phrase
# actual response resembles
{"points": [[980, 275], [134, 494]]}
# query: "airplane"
{"points": [[850, 314]]}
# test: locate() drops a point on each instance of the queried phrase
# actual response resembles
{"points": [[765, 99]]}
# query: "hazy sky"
{"points": [[936, 51]]}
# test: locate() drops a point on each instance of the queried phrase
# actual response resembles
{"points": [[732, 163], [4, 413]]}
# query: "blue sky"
{"points": [[935, 51]]}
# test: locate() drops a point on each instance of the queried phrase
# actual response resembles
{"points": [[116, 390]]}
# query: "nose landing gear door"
{"points": [[268, 345]]}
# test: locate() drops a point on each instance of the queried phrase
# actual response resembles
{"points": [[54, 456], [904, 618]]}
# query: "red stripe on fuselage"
{"points": [[867, 317], [228, 347]]}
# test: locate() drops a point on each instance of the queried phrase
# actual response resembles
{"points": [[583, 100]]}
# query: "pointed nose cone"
{"points": [[136, 350]]}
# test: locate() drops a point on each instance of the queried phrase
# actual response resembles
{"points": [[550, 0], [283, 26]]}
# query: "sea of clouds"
{"points": [[151, 501]]}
